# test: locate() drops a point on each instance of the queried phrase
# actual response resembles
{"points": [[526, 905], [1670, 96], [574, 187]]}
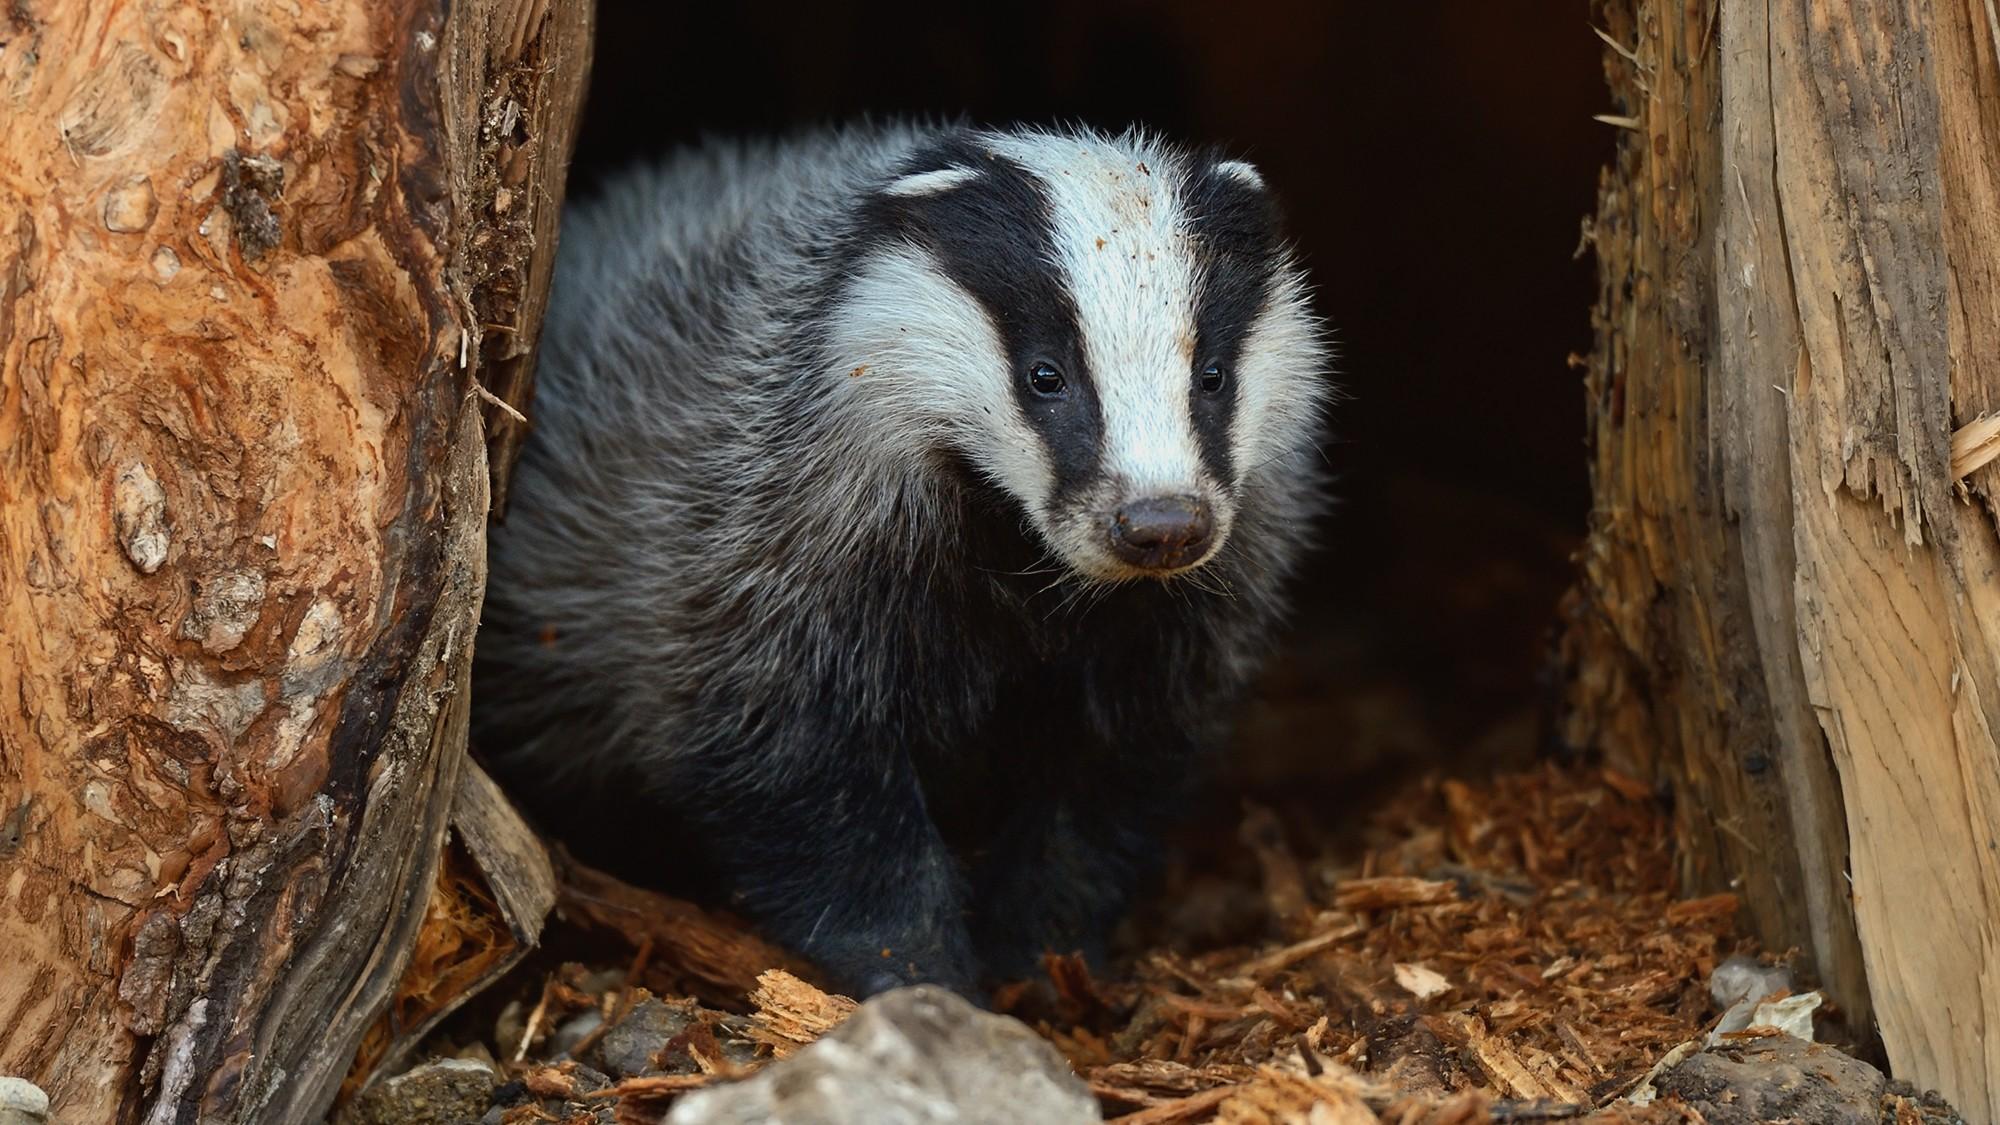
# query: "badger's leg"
{"points": [[836, 857], [1062, 870]]}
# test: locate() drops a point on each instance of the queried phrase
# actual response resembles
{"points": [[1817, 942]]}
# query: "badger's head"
{"points": [[1110, 329]]}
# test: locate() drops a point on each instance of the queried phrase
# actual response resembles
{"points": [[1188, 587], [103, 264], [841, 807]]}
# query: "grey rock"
{"points": [[1741, 978], [627, 1050], [22, 1102], [574, 1031], [441, 1092], [911, 1056], [1779, 1078]]}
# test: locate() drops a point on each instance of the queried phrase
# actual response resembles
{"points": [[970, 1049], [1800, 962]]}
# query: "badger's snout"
{"points": [[1162, 532]]}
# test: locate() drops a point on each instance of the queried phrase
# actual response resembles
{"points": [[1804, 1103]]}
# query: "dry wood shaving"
{"points": [[1508, 951], [463, 936], [791, 1013]]}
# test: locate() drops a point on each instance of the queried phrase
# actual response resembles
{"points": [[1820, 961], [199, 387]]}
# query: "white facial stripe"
{"points": [[1124, 246], [930, 183], [920, 353]]}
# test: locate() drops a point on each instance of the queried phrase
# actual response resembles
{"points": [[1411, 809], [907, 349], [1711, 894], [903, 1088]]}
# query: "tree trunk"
{"points": [[247, 252], [1790, 602]]}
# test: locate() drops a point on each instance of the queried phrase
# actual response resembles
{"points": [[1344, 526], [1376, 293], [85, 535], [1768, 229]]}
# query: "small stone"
{"points": [[574, 1031], [910, 1056], [130, 206], [1779, 1078], [22, 1102], [166, 263], [442, 1092], [1742, 977], [139, 512], [628, 1049]]}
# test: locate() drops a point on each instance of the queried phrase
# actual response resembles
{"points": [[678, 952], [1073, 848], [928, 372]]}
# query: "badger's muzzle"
{"points": [[1162, 533]]}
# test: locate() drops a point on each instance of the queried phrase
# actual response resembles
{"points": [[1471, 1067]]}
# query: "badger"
{"points": [[907, 509]]}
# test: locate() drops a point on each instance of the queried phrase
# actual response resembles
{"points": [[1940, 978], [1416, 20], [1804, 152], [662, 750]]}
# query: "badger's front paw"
{"points": [[863, 964]]}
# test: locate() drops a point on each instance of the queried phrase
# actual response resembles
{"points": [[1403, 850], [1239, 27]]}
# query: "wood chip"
{"points": [[1261, 967], [555, 1081], [792, 1013], [1695, 910], [1180, 1109], [1420, 982], [1384, 892], [719, 956], [1975, 444], [653, 1086], [1499, 1061]]}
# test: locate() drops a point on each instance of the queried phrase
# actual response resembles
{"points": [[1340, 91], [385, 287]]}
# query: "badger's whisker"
{"points": [[1061, 577], [1210, 582], [1102, 592]]}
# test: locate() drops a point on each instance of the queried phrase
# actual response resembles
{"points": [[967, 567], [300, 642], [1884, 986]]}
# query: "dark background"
{"points": [[1435, 159]]}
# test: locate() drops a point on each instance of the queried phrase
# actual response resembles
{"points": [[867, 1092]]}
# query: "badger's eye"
{"points": [[1045, 379], [1212, 379]]}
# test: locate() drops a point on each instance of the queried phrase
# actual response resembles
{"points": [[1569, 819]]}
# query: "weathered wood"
{"points": [[510, 857], [485, 912], [715, 959], [1888, 128], [1667, 628], [1756, 339], [243, 490], [516, 75], [1791, 599]]}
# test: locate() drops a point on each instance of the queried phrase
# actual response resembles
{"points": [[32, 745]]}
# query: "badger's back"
{"points": [[679, 323]]}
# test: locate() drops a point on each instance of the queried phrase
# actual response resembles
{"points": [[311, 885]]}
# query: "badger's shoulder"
{"points": [[755, 198]]}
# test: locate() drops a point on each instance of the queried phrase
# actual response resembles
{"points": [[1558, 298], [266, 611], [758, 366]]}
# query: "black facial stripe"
{"points": [[994, 236], [1238, 244]]}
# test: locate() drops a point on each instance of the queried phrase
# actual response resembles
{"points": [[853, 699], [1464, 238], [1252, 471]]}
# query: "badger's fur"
{"points": [[907, 509]]}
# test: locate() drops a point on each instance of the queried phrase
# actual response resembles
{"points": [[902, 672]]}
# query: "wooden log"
{"points": [[1790, 602], [487, 906], [246, 253]]}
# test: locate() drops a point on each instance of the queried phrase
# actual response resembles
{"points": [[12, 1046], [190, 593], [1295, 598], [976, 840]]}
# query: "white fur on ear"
{"points": [[1241, 171], [931, 183]]}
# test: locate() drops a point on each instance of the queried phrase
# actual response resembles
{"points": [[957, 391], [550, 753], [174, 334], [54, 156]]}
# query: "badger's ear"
{"points": [[1234, 208], [1242, 171], [917, 185]]}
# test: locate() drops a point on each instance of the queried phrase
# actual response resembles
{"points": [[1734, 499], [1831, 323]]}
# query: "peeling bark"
{"points": [[1790, 606], [243, 490]]}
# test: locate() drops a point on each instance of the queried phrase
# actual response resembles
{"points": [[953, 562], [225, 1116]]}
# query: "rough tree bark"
{"points": [[251, 256], [1790, 605]]}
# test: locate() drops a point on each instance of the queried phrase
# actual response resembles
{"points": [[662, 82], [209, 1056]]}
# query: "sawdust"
{"points": [[1511, 950]]}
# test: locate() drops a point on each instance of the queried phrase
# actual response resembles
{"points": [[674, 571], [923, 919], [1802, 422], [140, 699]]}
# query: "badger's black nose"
{"points": [[1161, 533]]}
